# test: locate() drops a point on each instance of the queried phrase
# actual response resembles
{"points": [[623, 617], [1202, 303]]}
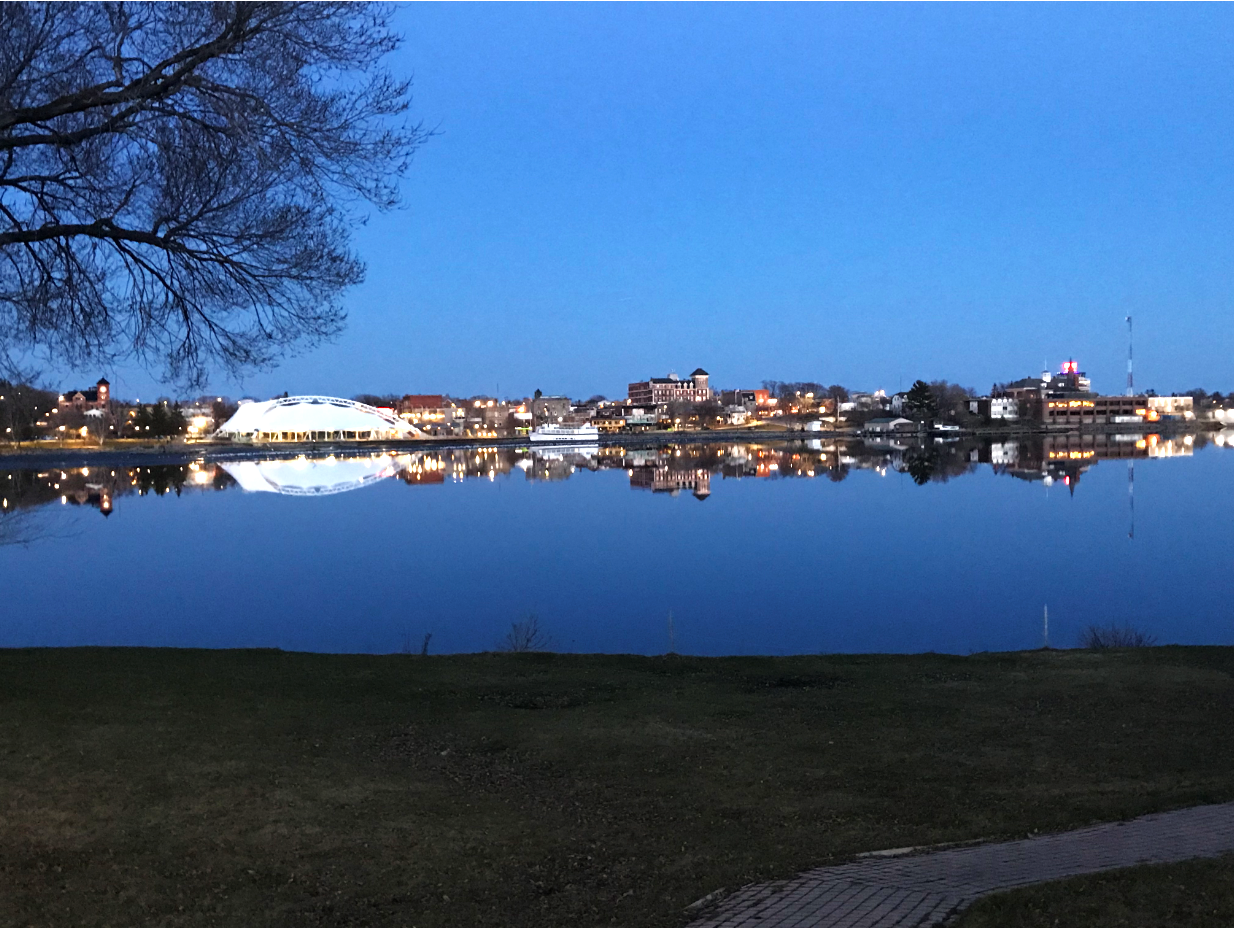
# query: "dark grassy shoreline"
{"points": [[268, 788]]}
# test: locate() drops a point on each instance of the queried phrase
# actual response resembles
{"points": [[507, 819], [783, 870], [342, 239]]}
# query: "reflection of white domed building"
{"points": [[314, 476], [313, 418]]}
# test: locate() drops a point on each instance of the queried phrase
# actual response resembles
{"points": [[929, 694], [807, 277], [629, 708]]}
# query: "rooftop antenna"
{"points": [[1130, 378]]}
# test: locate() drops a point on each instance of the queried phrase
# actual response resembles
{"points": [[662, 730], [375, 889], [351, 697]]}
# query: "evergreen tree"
{"points": [[920, 402]]}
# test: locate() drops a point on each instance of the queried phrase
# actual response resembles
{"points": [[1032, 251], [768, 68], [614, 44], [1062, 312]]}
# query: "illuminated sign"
{"points": [[1072, 404]]}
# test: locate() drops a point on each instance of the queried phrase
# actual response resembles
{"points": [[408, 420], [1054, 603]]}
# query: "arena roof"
{"points": [[313, 418]]}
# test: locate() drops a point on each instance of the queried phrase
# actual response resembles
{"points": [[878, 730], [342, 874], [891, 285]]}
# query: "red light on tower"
{"points": [[1071, 367]]}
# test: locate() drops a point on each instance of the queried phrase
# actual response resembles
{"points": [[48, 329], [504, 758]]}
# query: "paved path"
{"points": [[920, 890]]}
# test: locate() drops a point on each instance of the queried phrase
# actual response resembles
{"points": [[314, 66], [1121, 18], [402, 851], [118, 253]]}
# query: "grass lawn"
{"points": [[1197, 894], [254, 788]]}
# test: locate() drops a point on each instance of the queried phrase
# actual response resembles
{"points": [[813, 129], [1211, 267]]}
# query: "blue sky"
{"points": [[855, 194]]}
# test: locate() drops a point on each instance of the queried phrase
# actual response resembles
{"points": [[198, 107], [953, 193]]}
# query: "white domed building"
{"points": [[314, 418]]}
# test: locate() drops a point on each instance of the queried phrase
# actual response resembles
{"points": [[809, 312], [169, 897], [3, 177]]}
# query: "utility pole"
{"points": [[1045, 626]]}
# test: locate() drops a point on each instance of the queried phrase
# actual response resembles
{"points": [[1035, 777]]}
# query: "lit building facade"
{"points": [[313, 418], [432, 413], [671, 389], [95, 397]]}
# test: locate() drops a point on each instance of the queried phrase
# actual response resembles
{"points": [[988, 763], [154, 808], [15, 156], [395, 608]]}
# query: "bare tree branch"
{"points": [[177, 179]]}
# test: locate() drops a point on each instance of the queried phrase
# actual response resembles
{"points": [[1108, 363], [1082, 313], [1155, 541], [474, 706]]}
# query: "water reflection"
{"points": [[769, 547], [102, 487], [668, 468], [303, 476]]}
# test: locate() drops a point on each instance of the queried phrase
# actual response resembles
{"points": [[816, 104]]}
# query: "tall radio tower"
{"points": [[1130, 378]]}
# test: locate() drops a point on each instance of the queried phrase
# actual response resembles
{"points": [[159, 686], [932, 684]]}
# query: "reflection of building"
{"points": [[1004, 453], [669, 468], [303, 476], [1065, 456], [665, 479], [671, 389], [102, 487]]}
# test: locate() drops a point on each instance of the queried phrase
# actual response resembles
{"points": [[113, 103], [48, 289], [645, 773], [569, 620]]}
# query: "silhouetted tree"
{"points": [[21, 407], [920, 403], [177, 179], [920, 464], [951, 399], [372, 399], [221, 411]]}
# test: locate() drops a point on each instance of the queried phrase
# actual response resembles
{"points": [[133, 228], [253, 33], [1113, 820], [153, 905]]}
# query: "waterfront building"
{"points": [[890, 425], [314, 418], [736, 415], [485, 417], [865, 402], [627, 417], [550, 409], [432, 413], [1093, 409], [609, 419], [1170, 407], [1066, 399], [751, 400], [1031, 392], [671, 389], [995, 407], [95, 397]]}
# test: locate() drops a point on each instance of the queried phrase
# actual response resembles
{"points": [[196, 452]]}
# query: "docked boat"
{"points": [[558, 433]]}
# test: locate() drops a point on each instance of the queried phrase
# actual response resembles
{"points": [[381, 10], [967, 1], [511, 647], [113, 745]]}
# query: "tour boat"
{"points": [[558, 433]]}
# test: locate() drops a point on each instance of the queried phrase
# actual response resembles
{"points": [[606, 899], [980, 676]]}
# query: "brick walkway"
{"points": [[920, 890]]}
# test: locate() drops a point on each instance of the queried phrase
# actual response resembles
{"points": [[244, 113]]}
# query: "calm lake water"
{"points": [[778, 548]]}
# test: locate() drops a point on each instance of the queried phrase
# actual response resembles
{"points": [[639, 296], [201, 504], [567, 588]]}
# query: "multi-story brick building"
{"points": [[1067, 399], [671, 389], [431, 412], [94, 398]]}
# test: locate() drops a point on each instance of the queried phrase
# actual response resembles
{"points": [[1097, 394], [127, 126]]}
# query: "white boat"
{"points": [[560, 434]]}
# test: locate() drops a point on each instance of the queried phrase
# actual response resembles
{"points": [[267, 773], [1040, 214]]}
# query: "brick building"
{"points": [[671, 389], [94, 398]]}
